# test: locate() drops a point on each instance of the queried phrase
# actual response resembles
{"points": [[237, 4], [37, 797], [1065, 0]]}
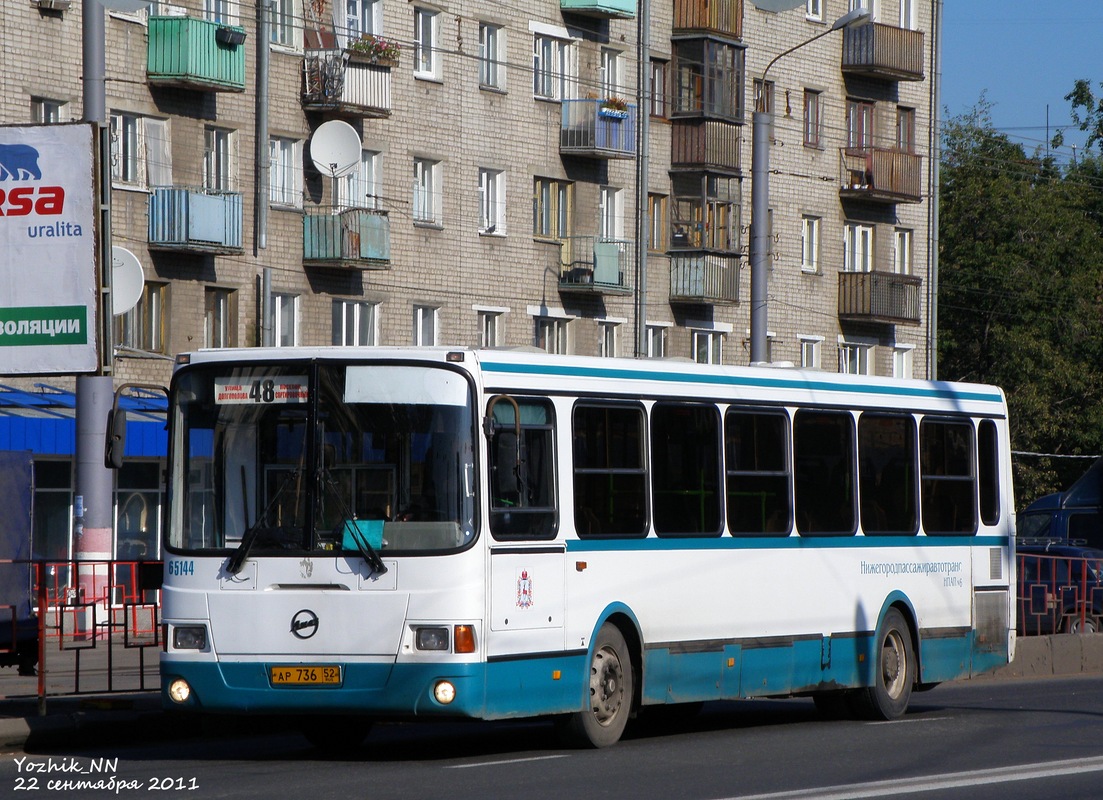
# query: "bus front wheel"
{"points": [[894, 671], [609, 694]]}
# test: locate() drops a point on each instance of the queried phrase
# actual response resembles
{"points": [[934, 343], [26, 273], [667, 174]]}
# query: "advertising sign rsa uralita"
{"points": [[47, 250]]}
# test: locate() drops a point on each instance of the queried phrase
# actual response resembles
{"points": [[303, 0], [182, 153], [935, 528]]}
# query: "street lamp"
{"points": [[760, 191]]}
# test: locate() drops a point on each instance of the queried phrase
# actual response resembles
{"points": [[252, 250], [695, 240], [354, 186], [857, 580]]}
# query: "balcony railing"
{"points": [[703, 278], [356, 238], [334, 80], [883, 51], [879, 297], [194, 220], [195, 54], [880, 174], [618, 9], [595, 265], [724, 17], [705, 144], [588, 128]]}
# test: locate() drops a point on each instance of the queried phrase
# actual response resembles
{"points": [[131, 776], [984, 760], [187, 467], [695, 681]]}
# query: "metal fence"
{"points": [[1059, 594]]}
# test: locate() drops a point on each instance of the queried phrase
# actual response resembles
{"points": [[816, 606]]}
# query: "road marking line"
{"points": [[932, 783], [502, 763]]}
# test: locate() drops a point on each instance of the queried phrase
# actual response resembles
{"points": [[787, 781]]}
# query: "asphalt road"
{"points": [[975, 740]]}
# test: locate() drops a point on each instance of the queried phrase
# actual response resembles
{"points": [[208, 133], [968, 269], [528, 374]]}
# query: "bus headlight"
{"points": [[189, 637], [179, 691], [444, 692], [431, 638]]}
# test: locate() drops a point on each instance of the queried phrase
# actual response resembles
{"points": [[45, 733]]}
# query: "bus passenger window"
{"points": [[988, 470], [522, 470], [609, 475], [887, 474], [824, 486], [685, 466], [757, 448], [948, 482]]}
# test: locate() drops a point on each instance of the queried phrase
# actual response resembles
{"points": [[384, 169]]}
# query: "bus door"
{"points": [[526, 563]]}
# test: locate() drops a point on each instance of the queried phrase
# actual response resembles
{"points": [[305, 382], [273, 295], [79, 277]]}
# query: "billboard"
{"points": [[48, 286]]}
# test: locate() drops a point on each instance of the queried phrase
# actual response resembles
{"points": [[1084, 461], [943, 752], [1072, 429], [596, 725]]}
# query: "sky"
{"points": [[1023, 56]]}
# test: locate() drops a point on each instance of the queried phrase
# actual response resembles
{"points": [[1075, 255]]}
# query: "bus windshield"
{"points": [[313, 456]]}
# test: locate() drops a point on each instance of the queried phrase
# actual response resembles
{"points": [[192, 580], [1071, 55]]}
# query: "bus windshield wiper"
{"points": [[371, 557], [237, 559]]}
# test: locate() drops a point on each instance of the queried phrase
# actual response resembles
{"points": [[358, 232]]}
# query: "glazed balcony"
{"points": [[880, 174], [341, 82], [194, 220], [884, 297], [705, 144], [608, 9], [195, 54], [347, 238], [594, 265], [723, 17], [591, 128], [876, 50], [704, 278]]}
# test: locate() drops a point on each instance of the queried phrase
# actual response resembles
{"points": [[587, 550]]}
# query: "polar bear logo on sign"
{"points": [[19, 162]]}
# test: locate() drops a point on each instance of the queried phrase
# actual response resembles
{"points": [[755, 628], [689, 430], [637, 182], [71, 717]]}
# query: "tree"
{"points": [[1021, 293]]}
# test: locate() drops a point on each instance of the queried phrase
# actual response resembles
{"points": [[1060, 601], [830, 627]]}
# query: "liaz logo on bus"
{"points": [[22, 195]]}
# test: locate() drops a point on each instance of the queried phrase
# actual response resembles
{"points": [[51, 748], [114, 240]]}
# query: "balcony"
{"points": [[590, 128], [349, 238], [880, 174], [195, 54], [611, 9], [594, 265], [705, 144], [723, 17], [704, 278], [879, 297], [343, 83], [876, 50], [194, 220]]}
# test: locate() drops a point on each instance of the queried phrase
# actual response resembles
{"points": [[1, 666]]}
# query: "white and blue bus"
{"points": [[365, 533]]}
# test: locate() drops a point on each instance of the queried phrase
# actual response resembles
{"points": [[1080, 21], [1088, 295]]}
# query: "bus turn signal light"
{"points": [[464, 641]]}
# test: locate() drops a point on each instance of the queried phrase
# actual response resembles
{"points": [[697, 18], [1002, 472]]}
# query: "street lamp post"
{"points": [[762, 121]]}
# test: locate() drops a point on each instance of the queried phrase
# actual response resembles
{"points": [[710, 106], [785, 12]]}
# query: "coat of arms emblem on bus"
{"points": [[524, 590]]}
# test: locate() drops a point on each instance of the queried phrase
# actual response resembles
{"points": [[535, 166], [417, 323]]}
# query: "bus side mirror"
{"points": [[115, 444]]}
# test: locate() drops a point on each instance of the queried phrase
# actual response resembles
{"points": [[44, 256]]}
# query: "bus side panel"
{"points": [[535, 686]]}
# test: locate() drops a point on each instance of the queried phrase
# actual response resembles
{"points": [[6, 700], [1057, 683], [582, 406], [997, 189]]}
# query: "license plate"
{"points": [[305, 675]]}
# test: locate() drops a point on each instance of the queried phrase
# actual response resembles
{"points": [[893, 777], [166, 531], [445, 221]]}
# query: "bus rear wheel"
{"points": [[610, 690], [894, 672]]}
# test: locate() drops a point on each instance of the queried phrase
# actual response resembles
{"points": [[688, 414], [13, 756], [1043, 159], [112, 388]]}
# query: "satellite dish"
{"points": [[127, 280], [776, 5], [335, 148]]}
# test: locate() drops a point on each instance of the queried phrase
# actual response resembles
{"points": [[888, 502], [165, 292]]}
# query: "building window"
{"points": [[361, 188], [551, 335], [764, 96], [657, 222], [127, 150], [143, 327], [217, 167], [492, 201], [708, 347], [284, 18], [427, 183], [810, 243], [657, 89], [48, 112], [220, 318], [656, 341], [612, 73], [858, 248], [902, 362], [902, 252], [426, 33], [553, 67], [909, 14], [813, 119], [551, 207], [854, 358], [354, 323], [611, 213], [489, 328], [813, 10], [286, 308], [284, 173], [708, 79], [425, 326], [859, 124], [905, 129], [362, 17], [491, 56], [218, 11], [810, 352], [607, 339]]}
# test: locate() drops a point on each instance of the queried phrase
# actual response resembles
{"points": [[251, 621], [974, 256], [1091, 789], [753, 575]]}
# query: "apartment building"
{"points": [[495, 196]]}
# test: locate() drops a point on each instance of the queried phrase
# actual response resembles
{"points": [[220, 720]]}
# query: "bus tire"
{"points": [[894, 672], [609, 691]]}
